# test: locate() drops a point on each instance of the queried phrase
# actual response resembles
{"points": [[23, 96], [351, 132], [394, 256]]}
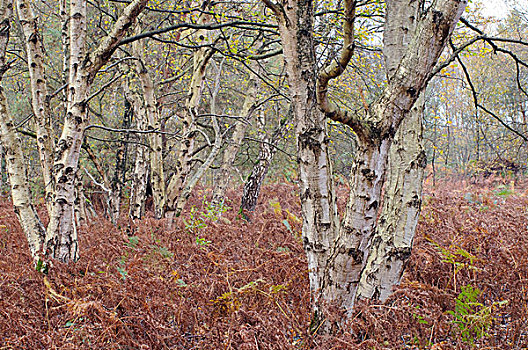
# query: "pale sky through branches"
{"points": [[501, 8], [495, 8]]}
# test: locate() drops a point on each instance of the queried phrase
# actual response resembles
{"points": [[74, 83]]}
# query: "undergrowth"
{"points": [[215, 281]]}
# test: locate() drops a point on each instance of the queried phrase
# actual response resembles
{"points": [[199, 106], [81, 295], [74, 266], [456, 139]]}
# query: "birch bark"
{"points": [[157, 173], [391, 244], [19, 181], [14, 156], [141, 164], [61, 238], [267, 150], [337, 253], [376, 133], [223, 176], [318, 205], [40, 99], [176, 185]]}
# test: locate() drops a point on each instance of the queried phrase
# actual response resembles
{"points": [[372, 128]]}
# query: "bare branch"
{"points": [[478, 105]]}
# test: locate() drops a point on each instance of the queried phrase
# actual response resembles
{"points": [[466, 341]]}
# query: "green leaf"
{"points": [[288, 226], [181, 283]]}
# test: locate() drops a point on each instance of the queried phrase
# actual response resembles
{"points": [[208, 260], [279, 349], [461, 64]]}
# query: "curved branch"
{"points": [[337, 67], [477, 105], [212, 26], [110, 43]]}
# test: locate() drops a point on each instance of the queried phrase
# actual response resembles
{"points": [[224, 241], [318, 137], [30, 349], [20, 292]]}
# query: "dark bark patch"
{"points": [[356, 254], [373, 205], [369, 174], [401, 253], [58, 167], [308, 140], [422, 160], [415, 202], [437, 17]]}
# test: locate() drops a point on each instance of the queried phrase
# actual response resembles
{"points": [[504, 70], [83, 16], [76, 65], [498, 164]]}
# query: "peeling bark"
{"points": [[151, 112], [375, 138], [318, 205], [40, 99], [61, 239], [267, 150], [391, 244], [223, 176], [14, 156]]}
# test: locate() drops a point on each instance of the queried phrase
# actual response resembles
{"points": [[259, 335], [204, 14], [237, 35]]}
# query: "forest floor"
{"points": [[225, 283]]}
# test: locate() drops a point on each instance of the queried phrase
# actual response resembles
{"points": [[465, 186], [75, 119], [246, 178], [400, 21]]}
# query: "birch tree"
{"points": [[153, 123], [177, 183], [267, 149], [61, 236], [390, 246], [141, 164], [40, 98], [224, 173], [338, 250], [14, 155]]}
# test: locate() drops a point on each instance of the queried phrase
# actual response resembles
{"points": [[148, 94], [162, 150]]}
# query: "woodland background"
{"points": [[220, 277]]}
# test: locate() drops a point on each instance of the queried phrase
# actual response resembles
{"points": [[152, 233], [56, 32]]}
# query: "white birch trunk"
{"points": [[191, 181], [19, 182], [392, 242], [223, 176], [84, 211], [40, 99], [14, 156], [318, 205], [61, 239], [184, 162], [141, 164], [157, 174], [337, 255]]}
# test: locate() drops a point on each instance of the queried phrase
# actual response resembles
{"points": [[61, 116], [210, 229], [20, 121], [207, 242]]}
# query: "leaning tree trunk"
{"points": [[40, 99], [155, 155], [337, 253], [223, 176], [19, 181], [415, 62], [191, 181], [61, 238], [141, 165], [267, 150], [390, 247], [16, 167], [177, 182]]}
